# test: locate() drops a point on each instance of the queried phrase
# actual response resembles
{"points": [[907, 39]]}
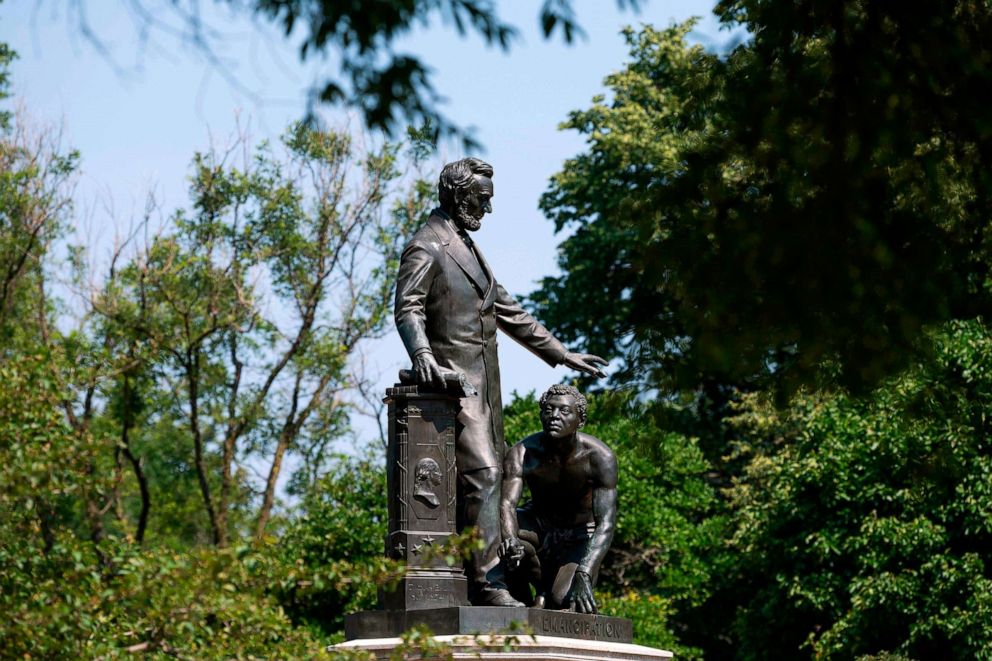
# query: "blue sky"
{"points": [[137, 122]]}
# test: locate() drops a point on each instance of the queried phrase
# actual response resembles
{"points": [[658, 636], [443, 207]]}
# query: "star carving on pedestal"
{"points": [[427, 540], [399, 548], [416, 549]]}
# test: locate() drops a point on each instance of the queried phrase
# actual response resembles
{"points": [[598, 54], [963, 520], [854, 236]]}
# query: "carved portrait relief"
{"points": [[427, 477]]}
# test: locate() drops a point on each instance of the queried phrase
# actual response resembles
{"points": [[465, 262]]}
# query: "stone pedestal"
{"points": [[422, 484], [510, 647], [490, 620]]}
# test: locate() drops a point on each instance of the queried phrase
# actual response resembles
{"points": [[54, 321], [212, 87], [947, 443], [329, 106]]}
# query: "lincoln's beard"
{"points": [[465, 219]]}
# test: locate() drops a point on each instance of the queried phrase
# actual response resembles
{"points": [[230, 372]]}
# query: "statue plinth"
{"points": [[521, 647], [422, 482], [490, 620]]}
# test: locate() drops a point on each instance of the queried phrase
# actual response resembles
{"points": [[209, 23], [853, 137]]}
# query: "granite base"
{"points": [[489, 620], [510, 648]]}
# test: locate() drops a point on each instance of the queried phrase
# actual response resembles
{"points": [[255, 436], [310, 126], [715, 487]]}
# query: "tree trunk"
{"points": [[217, 522], [270, 484], [289, 430]]}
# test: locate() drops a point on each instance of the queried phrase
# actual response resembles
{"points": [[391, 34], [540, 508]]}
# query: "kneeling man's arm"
{"points": [[513, 485], [604, 511]]}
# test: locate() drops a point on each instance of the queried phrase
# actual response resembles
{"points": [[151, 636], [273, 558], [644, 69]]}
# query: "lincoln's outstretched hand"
{"points": [[585, 362]]}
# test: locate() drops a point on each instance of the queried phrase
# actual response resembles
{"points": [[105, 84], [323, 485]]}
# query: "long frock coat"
{"points": [[448, 301]]}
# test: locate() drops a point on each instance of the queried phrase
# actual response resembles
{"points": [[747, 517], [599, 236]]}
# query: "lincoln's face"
{"points": [[474, 203], [560, 416]]}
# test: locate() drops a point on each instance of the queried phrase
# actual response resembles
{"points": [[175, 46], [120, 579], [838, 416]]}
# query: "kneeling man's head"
{"points": [[563, 411]]}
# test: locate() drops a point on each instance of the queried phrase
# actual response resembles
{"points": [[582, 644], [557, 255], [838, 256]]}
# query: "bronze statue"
{"points": [[448, 307], [558, 539]]}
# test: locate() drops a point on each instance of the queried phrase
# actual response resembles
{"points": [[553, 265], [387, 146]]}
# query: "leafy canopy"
{"points": [[862, 525], [802, 207]]}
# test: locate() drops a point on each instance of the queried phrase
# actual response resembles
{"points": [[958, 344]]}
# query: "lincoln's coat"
{"points": [[449, 302]]}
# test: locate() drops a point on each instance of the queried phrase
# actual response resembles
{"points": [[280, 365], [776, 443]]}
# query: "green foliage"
{"points": [[176, 518], [857, 526], [862, 526], [237, 324], [7, 55], [117, 457], [41, 460], [206, 604], [633, 142], [800, 208], [63, 595], [344, 519], [793, 214], [34, 176], [653, 618]]}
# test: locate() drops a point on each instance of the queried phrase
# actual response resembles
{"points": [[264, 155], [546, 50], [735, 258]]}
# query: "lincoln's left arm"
{"points": [[516, 322]]}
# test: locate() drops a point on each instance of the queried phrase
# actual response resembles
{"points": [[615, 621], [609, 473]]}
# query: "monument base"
{"points": [[510, 647], [489, 620]]}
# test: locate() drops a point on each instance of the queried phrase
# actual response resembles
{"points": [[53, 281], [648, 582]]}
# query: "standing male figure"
{"points": [[558, 539], [448, 307]]}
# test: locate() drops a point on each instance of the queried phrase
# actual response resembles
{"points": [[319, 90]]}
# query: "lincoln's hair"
{"points": [[460, 175], [559, 389]]}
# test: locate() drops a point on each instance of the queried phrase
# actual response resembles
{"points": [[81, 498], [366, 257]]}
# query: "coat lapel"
{"points": [[461, 254], [490, 296]]}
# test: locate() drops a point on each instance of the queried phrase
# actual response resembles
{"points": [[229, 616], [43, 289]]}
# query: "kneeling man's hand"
{"points": [[579, 597], [512, 551]]}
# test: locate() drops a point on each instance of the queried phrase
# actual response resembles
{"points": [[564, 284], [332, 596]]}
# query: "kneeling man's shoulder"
{"points": [[529, 443], [595, 445], [519, 449]]}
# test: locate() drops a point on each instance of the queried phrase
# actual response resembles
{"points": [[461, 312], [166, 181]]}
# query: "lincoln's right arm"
{"points": [[418, 268]]}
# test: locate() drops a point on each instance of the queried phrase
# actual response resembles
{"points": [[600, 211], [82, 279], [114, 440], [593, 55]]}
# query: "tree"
{"points": [[246, 314], [797, 210], [77, 404], [391, 90], [35, 179], [343, 519], [7, 55], [861, 525], [40, 459], [803, 212]]}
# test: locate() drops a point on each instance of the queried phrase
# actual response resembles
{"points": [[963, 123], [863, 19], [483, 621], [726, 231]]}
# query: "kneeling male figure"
{"points": [[557, 540]]}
